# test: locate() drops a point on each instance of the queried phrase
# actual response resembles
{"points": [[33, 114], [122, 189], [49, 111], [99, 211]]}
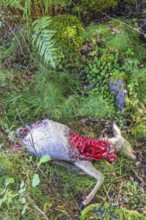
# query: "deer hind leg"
{"points": [[88, 168], [70, 167]]}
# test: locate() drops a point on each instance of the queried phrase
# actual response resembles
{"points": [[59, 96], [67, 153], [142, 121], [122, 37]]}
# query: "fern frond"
{"points": [[43, 39], [11, 3], [46, 4], [27, 8]]}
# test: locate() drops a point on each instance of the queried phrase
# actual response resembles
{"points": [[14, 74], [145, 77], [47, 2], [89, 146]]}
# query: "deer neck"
{"points": [[117, 144]]}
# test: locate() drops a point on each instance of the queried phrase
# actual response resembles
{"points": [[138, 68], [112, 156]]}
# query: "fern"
{"points": [[43, 39], [27, 8], [11, 3], [35, 8]]}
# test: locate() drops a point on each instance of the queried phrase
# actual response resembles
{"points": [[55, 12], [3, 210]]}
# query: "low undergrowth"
{"points": [[48, 191], [55, 67]]}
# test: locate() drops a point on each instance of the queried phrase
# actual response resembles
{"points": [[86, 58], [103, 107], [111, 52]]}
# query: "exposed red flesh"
{"points": [[92, 148]]}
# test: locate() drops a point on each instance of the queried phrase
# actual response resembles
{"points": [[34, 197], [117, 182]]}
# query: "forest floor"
{"points": [[50, 192], [60, 192]]}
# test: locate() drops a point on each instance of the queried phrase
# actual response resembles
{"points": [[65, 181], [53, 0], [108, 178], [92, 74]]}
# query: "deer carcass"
{"points": [[61, 143]]}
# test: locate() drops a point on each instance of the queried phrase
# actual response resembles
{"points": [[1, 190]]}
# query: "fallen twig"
{"points": [[107, 193], [38, 209], [32, 142], [129, 26], [138, 177]]}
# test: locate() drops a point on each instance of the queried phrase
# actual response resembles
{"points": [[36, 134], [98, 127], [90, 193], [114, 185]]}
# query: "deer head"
{"points": [[121, 145]]}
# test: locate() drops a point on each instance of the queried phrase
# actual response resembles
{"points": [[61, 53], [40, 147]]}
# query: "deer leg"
{"points": [[70, 167], [88, 168]]}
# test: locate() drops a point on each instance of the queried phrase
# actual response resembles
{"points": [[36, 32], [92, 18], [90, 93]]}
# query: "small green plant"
{"points": [[97, 32], [138, 80], [7, 194], [131, 192], [10, 195], [136, 91], [139, 130], [124, 38], [101, 66]]}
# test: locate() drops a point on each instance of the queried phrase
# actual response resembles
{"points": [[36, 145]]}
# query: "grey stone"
{"points": [[117, 88]]}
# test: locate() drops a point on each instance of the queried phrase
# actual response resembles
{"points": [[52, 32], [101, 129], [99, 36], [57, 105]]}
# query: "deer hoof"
{"points": [[85, 202], [82, 205]]}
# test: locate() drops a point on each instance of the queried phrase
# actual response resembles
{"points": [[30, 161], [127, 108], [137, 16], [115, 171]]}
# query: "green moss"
{"points": [[107, 212], [97, 31], [69, 32]]}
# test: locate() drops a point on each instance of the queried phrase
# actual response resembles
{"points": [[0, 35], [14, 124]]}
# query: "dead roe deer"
{"points": [[61, 143]]}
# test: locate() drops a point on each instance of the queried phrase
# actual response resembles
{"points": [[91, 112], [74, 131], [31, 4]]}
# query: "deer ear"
{"points": [[103, 134], [116, 130]]}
